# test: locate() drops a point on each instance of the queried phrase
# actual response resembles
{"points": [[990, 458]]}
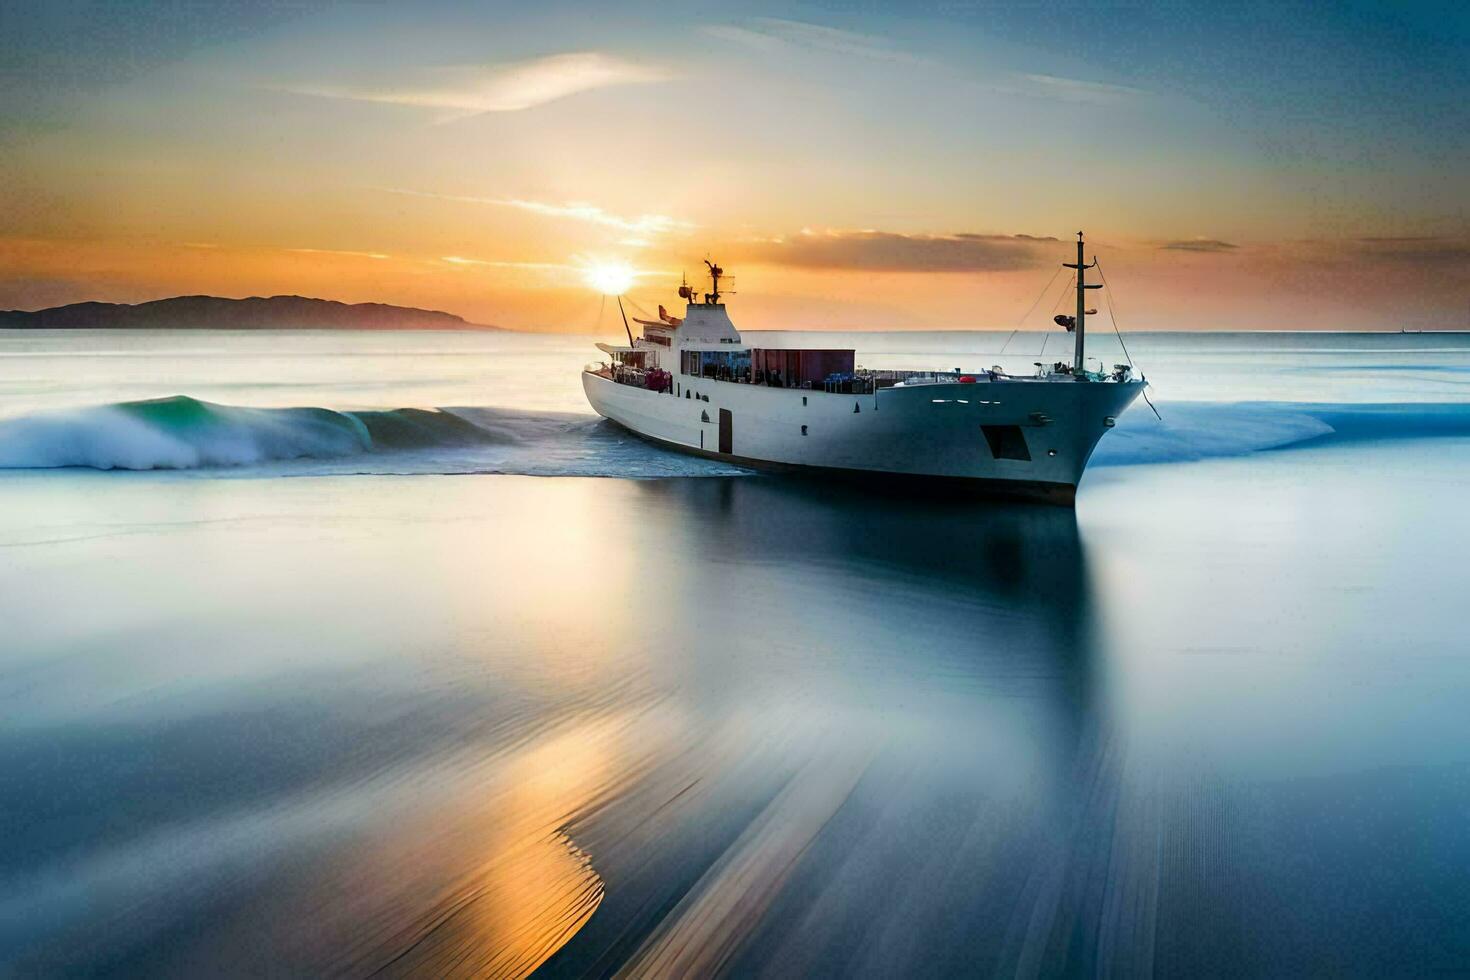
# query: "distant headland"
{"points": [[220, 313]]}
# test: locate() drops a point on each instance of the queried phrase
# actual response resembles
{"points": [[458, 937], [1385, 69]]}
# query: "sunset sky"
{"points": [[854, 165]]}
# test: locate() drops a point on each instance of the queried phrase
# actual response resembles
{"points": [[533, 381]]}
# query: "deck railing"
{"points": [[862, 381]]}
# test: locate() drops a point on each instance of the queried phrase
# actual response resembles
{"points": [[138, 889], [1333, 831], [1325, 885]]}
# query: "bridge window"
{"points": [[717, 365]]}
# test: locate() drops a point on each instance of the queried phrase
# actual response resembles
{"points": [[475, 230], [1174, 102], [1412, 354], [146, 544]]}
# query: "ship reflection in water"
{"points": [[881, 709], [483, 726]]}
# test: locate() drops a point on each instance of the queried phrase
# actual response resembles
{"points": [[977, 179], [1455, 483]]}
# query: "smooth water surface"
{"points": [[299, 676]]}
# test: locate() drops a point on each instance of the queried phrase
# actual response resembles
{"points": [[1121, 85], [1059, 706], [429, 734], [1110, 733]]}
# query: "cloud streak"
{"points": [[1199, 245], [464, 262], [1077, 90], [644, 224], [466, 90], [1441, 253], [774, 35], [881, 251], [337, 251], [782, 37]]}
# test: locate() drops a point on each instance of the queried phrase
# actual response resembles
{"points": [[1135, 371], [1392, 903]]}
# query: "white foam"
{"points": [[107, 437], [1200, 430], [103, 438]]}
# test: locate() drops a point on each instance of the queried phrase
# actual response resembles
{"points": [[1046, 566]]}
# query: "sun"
{"points": [[609, 278]]}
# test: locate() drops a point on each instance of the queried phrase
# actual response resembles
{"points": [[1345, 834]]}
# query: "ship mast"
{"points": [[1079, 364], [715, 272]]}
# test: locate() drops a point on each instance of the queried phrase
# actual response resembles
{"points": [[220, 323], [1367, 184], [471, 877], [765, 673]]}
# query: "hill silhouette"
{"points": [[220, 313]]}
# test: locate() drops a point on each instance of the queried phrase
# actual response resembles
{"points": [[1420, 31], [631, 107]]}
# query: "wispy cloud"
{"points": [[775, 35], [1428, 250], [461, 90], [881, 251], [587, 263], [1059, 89], [463, 262], [644, 224], [337, 251], [1199, 245]]}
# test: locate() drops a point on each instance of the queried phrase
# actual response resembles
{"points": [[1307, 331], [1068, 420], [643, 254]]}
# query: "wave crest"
{"points": [[186, 433], [1203, 430]]}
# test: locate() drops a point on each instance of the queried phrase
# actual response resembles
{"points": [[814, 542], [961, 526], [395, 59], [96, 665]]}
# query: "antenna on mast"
{"points": [[715, 272], [1079, 363]]}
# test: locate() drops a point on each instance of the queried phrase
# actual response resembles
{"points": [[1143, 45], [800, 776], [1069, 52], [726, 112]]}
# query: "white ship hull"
{"points": [[933, 433]]}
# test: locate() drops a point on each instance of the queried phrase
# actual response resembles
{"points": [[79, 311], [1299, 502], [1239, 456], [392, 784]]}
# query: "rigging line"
{"points": [[1042, 295], [1054, 307], [637, 308], [1144, 392], [1063, 294], [1037, 302], [1113, 316]]}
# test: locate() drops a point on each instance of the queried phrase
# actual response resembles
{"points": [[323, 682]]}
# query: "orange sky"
{"points": [[895, 171]]}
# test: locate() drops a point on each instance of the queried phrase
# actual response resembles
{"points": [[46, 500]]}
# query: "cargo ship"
{"points": [[691, 384]]}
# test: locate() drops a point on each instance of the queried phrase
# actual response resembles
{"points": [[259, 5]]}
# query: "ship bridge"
{"points": [[707, 323]]}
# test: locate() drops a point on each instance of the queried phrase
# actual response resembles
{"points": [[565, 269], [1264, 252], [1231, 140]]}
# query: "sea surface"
{"points": [[380, 654]]}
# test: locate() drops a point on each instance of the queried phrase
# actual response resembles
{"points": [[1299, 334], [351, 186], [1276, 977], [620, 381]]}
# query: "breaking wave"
{"points": [[182, 433], [1202, 430]]}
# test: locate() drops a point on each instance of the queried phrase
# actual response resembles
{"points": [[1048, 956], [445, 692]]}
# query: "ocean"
{"points": [[379, 653]]}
